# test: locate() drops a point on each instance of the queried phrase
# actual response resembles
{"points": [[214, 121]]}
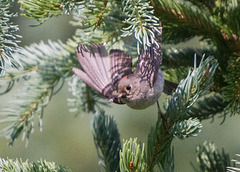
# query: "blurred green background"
{"points": [[66, 139]]}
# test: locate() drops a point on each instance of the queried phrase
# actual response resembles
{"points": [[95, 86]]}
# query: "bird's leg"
{"points": [[159, 110], [162, 116]]}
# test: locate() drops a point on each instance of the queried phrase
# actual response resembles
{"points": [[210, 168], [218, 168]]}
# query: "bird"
{"points": [[113, 77]]}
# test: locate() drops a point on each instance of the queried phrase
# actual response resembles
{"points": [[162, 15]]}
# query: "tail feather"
{"points": [[121, 65], [169, 87]]}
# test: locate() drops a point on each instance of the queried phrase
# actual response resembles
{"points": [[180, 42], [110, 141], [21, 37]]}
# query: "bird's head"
{"points": [[126, 89]]}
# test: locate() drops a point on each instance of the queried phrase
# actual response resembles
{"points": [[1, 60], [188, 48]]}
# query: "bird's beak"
{"points": [[116, 96]]}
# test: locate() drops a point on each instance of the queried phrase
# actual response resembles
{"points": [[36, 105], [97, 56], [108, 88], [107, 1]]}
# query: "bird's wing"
{"points": [[150, 60], [95, 63], [121, 65], [97, 69]]}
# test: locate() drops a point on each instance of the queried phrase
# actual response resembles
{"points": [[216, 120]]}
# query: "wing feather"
{"points": [[149, 60], [82, 75], [93, 60], [97, 68], [121, 65]]}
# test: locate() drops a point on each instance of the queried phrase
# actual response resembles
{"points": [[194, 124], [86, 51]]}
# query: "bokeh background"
{"points": [[66, 138]]}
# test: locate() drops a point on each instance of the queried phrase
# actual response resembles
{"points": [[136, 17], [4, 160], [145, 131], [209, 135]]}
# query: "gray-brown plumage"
{"points": [[112, 75]]}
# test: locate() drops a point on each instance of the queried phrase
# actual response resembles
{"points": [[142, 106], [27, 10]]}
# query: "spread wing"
{"points": [[100, 71], [150, 60], [121, 65], [95, 63]]}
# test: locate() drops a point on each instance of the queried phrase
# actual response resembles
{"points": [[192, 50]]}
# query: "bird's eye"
{"points": [[128, 87]]}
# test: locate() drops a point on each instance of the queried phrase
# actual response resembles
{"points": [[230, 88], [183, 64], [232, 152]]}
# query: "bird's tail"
{"points": [[169, 87]]}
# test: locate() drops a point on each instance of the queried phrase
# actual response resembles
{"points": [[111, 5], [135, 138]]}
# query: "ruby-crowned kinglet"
{"points": [[112, 75]]}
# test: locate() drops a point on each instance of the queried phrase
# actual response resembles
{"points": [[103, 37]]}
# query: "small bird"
{"points": [[112, 75]]}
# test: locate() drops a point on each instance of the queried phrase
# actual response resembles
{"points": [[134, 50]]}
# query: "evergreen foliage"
{"points": [[10, 165], [132, 156], [141, 22], [171, 122], [107, 140], [235, 167], [8, 38], [210, 159], [45, 67], [130, 25]]}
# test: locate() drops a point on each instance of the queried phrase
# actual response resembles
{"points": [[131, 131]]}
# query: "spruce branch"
{"points": [[42, 10], [51, 64], [96, 21], [235, 166], [8, 38], [195, 85], [232, 90], [132, 157], [139, 16], [229, 18], [112, 21], [211, 159], [178, 57], [187, 128], [182, 14], [176, 62], [210, 23], [159, 141], [208, 107], [107, 140], [10, 165], [205, 4], [85, 98], [168, 164], [180, 34]]}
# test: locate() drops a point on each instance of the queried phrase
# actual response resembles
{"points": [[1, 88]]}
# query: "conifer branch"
{"points": [[195, 85], [47, 65], [217, 22], [8, 38], [139, 16], [187, 128], [182, 14], [232, 90], [204, 4], [42, 10], [107, 141], [235, 167], [177, 57], [19, 165], [97, 21], [230, 18], [208, 107], [211, 159], [168, 164], [85, 99], [132, 157]]}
